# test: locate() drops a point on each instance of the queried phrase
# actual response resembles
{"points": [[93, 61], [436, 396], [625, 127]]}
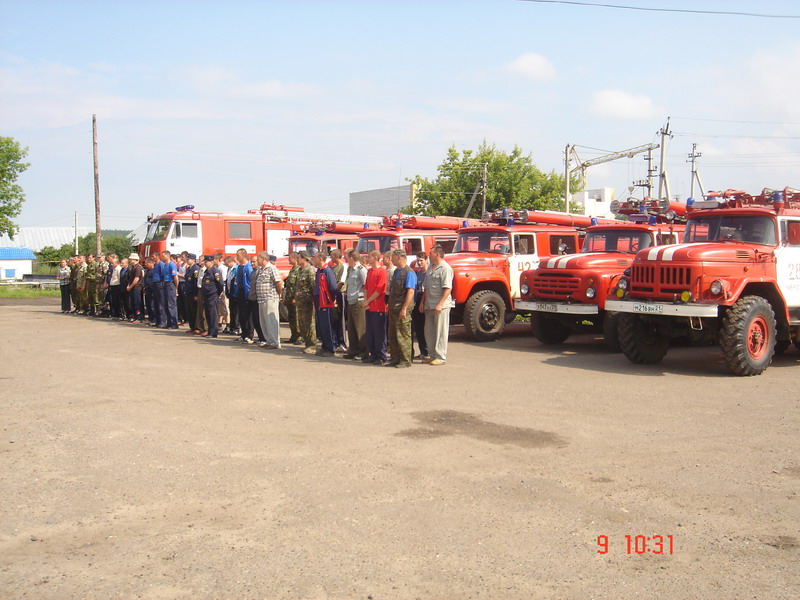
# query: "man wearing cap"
{"points": [[169, 290], [100, 284], [289, 286], [269, 286], [190, 287], [134, 287], [304, 302], [401, 303], [212, 287], [91, 284]]}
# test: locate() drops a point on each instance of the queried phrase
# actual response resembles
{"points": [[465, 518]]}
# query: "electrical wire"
{"points": [[667, 10]]}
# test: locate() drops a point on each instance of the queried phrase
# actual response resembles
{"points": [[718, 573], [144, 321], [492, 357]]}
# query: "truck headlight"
{"points": [[590, 292], [716, 287], [524, 288], [622, 284]]}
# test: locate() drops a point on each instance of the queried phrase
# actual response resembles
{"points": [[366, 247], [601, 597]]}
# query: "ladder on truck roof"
{"points": [[506, 216], [298, 215], [401, 221], [777, 199], [651, 210]]}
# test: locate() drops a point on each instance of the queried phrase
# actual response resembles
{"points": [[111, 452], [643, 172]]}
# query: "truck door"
{"points": [[523, 258], [185, 236], [788, 266], [412, 245]]}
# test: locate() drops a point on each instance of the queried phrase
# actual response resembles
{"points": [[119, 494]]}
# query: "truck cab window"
{"points": [[239, 231]]}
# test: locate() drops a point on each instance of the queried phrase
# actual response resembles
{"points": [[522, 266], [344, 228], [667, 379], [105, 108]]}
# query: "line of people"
{"points": [[370, 308]]}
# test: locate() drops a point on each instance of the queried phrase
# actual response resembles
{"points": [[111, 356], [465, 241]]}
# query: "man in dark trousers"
{"points": [[325, 290], [190, 292], [418, 314], [169, 290], [244, 270], [212, 287]]}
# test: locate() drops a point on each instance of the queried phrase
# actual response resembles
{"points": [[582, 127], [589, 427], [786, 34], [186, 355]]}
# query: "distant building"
{"points": [[595, 203], [383, 201], [36, 238], [16, 262]]}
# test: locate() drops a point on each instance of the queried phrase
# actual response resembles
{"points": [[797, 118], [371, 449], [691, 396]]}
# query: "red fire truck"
{"points": [[735, 280], [489, 258], [567, 294], [411, 233], [323, 236]]}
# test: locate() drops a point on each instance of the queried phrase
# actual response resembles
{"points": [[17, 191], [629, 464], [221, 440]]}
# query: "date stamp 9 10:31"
{"points": [[640, 544]]}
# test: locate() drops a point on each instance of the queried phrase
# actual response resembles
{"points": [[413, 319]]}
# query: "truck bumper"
{"points": [[663, 308], [557, 307]]}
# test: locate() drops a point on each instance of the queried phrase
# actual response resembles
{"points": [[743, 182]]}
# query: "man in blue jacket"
{"points": [[243, 273]]}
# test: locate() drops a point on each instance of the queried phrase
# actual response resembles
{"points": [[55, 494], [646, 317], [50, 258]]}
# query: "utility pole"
{"points": [[663, 183], [567, 171], [98, 235], [695, 175], [484, 181], [76, 232]]}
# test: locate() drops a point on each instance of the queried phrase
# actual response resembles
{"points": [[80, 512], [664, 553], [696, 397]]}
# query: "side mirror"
{"points": [[794, 233]]}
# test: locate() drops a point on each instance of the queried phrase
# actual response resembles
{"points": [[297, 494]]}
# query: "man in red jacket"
{"points": [[375, 306], [325, 289]]}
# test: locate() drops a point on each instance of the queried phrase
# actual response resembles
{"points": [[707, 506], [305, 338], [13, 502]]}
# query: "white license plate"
{"points": [[545, 307], [648, 308]]}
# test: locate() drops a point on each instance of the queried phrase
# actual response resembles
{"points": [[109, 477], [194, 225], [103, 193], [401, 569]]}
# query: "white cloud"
{"points": [[533, 65], [619, 104]]}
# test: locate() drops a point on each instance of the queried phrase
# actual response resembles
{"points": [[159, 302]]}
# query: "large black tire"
{"points": [[747, 336], [484, 315], [548, 330], [611, 331], [641, 341]]}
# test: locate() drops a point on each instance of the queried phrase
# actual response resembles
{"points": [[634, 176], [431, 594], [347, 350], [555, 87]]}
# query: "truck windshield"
{"points": [[497, 242], [738, 228], [158, 230], [381, 243], [629, 242], [310, 246]]}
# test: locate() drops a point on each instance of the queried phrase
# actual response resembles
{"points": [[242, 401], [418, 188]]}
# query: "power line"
{"points": [[737, 136], [735, 121], [666, 10]]}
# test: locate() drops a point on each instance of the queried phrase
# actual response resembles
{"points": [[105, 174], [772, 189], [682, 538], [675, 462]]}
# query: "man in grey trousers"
{"points": [[437, 302]]}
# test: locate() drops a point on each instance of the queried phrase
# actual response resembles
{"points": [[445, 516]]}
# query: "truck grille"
{"points": [[555, 285], [660, 279]]}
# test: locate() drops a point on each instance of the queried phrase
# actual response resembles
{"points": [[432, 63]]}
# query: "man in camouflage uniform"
{"points": [[100, 284], [304, 302], [73, 282], [289, 287], [80, 285], [91, 284], [401, 302]]}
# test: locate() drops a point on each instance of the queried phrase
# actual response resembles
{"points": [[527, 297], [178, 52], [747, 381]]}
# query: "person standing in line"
{"points": [[338, 314], [180, 263], [190, 284], [252, 301], [91, 285], [212, 288], [268, 292], [418, 312], [115, 288], [100, 285], [134, 288], [375, 307], [355, 319], [83, 300], [169, 290], [200, 321], [230, 294], [123, 292], [73, 282], [438, 302], [63, 277], [222, 303], [149, 290], [401, 303], [325, 288], [243, 273], [289, 287], [304, 303]]}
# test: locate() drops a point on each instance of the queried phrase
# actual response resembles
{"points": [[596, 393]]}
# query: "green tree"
{"points": [[513, 182], [11, 194]]}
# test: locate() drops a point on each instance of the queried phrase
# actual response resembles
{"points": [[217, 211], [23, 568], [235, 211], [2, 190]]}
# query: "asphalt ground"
{"points": [[141, 463]]}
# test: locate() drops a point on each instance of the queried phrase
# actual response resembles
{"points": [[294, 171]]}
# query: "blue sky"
{"points": [[229, 105]]}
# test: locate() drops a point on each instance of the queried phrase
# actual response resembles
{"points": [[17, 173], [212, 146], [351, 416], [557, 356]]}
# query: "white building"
{"points": [[383, 201], [16, 262], [595, 203], [36, 238]]}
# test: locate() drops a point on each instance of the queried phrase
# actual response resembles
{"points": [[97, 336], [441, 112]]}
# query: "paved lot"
{"points": [[141, 463]]}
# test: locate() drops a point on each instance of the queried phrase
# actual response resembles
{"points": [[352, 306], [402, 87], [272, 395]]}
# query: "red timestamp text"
{"points": [[639, 544]]}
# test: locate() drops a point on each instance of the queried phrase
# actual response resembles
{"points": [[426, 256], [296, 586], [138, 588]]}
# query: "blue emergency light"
{"points": [[653, 220], [184, 208], [689, 201], [594, 221]]}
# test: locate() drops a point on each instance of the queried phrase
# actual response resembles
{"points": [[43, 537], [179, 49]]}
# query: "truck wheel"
{"points": [[484, 316], [747, 336], [641, 341], [283, 312], [547, 330], [611, 331]]}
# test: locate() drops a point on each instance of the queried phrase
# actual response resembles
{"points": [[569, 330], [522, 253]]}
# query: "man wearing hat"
{"points": [[304, 302], [212, 288], [135, 277], [401, 302], [191, 284]]}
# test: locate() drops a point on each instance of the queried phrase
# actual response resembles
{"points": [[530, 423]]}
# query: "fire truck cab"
{"points": [[487, 262], [735, 280], [567, 294]]}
